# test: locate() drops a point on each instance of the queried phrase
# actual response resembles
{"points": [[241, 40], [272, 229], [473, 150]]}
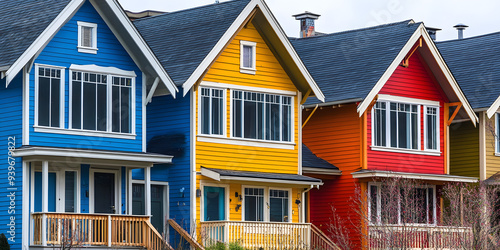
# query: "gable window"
{"points": [[414, 205], [248, 57], [101, 102], [212, 111], [262, 116], [87, 37], [49, 98], [431, 128]]}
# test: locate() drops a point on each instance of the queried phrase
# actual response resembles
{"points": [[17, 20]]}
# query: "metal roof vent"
{"points": [[307, 23], [460, 27], [432, 32]]}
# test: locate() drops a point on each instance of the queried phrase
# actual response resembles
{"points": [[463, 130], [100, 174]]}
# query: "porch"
{"points": [[265, 235], [429, 237], [94, 230]]}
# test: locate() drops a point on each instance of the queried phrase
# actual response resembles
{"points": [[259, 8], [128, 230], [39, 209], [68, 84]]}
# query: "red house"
{"points": [[390, 99]]}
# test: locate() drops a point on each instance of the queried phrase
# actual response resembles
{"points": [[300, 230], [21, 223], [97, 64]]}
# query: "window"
{"points": [[49, 104], [247, 57], [278, 205], [101, 102], [400, 205], [212, 111], [87, 37], [431, 128], [262, 116], [254, 204]]}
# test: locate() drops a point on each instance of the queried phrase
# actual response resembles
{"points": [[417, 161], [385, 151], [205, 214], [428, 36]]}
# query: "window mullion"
{"points": [[109, 103], [81, 100]]}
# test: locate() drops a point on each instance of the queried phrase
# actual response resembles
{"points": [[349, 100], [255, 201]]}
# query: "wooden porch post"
{"points": [[45, 200], [147, 190]]}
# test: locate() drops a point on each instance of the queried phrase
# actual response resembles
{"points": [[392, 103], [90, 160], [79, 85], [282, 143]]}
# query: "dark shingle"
{"points": [[474, 63], [261, 175], [21, 22], [310, 160], [182, 39], [347, 65]]}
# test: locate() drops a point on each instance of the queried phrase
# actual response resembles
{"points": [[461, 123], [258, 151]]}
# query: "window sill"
{"points": [[87, 50], [248, 71], [84, 133], [246, 142], [497, 154], [406, 151]]}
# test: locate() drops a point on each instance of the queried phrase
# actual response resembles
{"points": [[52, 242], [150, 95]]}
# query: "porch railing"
{"points": [[255, 235], [383, 237], [95, 230]]}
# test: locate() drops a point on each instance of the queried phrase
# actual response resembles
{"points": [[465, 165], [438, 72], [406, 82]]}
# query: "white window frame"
{"points": [[267, 207], [110, 72], [224, 112], [253, 69], [61, 93], [226, 199], [379, 187], [497, 139], [438, 131], [84, 49], [290, 219]]}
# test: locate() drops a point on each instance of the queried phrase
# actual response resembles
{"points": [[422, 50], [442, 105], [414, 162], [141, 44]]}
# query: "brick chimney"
{"points": [[306, 23]]}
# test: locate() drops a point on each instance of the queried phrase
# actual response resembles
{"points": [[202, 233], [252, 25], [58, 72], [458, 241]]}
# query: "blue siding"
{"points": [[11, 125], [62, 51], [168, 132]]}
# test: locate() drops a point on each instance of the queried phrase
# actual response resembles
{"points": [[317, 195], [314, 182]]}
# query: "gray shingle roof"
{"points": [[261, 175], [475, 64], [21, 22], [182, 39], [347, 65], [310, 160]]}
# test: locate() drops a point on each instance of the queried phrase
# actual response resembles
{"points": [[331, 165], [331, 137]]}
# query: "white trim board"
{"points": [[415, 176], [228, 35], [218, 177], [420, 32]]}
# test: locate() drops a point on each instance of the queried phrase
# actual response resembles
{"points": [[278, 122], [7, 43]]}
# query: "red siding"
{"points": [[334, 135], [416, 81]]}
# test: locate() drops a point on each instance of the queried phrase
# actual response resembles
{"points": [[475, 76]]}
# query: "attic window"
{"points": [[87, 37], [247, 57]]}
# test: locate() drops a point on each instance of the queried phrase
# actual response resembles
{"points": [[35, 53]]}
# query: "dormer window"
{"points": [[87, 37], [247, 57]]}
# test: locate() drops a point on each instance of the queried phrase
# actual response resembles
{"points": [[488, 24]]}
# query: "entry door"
{"points": [[52, 192], [157, 210], [104, 193], [214, 203]]}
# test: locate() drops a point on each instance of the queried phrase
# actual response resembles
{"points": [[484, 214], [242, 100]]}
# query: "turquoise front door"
{"points": [[214, 208]]}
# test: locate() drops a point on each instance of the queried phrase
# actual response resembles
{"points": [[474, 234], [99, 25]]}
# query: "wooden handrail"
{"points": [[324, 239], [185, 235]]}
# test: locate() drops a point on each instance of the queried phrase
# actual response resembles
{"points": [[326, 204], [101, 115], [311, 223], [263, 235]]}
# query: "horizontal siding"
{"points": [[62, 51], [464, 149], [492, 161], [334, 135], [416, 81]]}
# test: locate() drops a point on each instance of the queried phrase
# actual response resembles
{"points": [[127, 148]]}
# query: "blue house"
{"points": [[78, 78]]}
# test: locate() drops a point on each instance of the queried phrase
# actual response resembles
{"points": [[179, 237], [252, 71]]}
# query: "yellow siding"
{"points": [[492, 161], [464, 149]]}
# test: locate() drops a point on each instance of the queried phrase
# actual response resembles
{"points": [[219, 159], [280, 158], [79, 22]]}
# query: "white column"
{"points": [[45, 200], [129, 191], [147, 190], [26, 202]]}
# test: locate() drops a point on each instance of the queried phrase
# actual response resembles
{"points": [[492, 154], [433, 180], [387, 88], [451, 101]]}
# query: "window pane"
{"points": [[254, 204], [403, 127], [125, 106], [380, 124], [430, 201], [44, 101], [431, 128], [286, 118], [237, 113], [55, 97], [373, 204], [394, 125], [414, 130], [260, 117], [247, 56], [89, 107], [101, 107], [87, 36], [250, 116], [115, 109], [278, 202], [76, 98]]}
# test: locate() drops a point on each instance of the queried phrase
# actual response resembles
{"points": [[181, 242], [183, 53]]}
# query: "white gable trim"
{"points": [[43, 39], [493, 108], [191, 81], [420, 32]]}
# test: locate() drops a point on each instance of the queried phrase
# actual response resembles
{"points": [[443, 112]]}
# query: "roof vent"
{"points": [[460, 27], [432, 32], [306, 23]]}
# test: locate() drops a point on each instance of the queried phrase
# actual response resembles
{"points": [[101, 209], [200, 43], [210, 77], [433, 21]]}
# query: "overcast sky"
{"points": [[482, 16]]}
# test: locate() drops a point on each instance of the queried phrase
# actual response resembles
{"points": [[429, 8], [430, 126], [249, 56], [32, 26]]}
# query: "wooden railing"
{"points": [[319, 241], [256, 235], [95, 230], [184, 234], [431, 237]]}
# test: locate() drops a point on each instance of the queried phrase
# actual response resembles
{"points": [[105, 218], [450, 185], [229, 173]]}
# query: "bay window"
{"points": [[262, 116], [49, 104]]}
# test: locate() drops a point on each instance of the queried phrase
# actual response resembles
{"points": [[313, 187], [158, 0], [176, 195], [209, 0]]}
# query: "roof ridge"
{"points": [[360, 29], [189, 9], [470, 38]]}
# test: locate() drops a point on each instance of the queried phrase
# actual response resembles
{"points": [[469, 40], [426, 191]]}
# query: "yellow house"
{"points": [[244, 85]]}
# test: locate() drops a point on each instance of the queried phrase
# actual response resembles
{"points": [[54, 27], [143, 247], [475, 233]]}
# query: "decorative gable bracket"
{"points": [[406, 61], [447, 106]]}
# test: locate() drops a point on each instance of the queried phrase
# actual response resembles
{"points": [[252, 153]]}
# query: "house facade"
{"points": [[74, 102], [386, 116], [239, 120]]}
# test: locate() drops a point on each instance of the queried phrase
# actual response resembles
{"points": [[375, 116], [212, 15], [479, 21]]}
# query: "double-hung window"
{"points": [[101, 102], [49, 101], [87, 37], [248, 57], [262, 116], [212, 111]]}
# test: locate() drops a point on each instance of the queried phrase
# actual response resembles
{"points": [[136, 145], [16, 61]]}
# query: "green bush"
{"points": [[4, 244], [222, 246]]}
